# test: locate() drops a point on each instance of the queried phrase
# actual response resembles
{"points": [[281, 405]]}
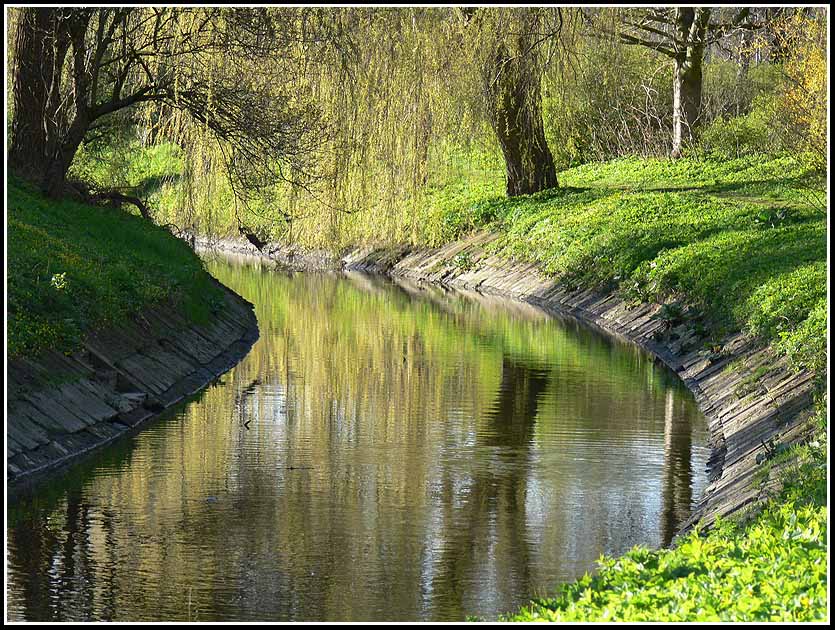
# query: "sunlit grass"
{"points": [[744, 241]]}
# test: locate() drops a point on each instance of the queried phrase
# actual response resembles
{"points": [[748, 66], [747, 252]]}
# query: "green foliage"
{"points": [[671, 314], [805, 343], [463, 261], [73, 268], [457, 209], [772, 567], [802, 97], [787, 298], [128, 166], [737, 136], [730, 90], [745, 110], [607, 100]]}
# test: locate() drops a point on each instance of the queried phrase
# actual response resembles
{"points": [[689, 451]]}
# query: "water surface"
{"points": [[385, 452]]}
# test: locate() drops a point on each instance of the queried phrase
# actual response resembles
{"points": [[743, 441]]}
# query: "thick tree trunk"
{"points": [[40, 51], [517, 120], [687, 101], [47, 128]]}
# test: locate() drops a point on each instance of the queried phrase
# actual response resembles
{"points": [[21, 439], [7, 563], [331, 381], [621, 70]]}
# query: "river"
{"points": [[384, 452]]}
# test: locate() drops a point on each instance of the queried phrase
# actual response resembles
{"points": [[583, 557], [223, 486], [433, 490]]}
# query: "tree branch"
{"points": [[113, 195]]}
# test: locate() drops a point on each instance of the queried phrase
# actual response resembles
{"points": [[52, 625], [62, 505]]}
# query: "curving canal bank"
{"points": [[753, 401], [339, 470], [60, 407], [111, 320]]}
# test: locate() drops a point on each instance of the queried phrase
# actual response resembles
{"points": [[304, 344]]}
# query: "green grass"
{"points": [[769, 566], [129, 165], [73, 268]]}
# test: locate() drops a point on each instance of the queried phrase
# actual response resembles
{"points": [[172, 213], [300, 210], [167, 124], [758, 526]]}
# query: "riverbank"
{"points": [[720, 271], [111, 321], [718, 267]]}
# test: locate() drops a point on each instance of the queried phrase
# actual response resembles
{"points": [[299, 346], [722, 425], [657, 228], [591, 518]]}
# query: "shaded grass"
{"points": [[129, 166], [73, 268]]}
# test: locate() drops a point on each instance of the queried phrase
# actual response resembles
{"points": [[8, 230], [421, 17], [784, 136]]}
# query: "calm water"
{"points": [[383, 453]]}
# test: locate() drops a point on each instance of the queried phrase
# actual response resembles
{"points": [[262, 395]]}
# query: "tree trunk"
{"points": [[517, 120], [691, 30], [46, 128], [687, 101], [39, 55]]}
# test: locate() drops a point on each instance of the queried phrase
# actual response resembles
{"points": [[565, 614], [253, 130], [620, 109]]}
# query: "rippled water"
{"points": [[384, 452]]}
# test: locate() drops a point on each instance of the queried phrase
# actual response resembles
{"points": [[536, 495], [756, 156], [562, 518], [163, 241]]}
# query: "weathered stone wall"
{"points": [[60, 407], [748, 417]]}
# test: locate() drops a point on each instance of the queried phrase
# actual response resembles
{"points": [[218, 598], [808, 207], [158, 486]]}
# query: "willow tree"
{"points": [[74, 68], [510, 43], [395, 93], [682, 34]]}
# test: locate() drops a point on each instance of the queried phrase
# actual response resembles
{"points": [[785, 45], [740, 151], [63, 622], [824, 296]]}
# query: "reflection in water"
{"points": [[384, 452]]}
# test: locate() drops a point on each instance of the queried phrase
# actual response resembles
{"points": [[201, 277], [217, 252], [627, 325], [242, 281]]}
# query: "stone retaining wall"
{"points": [[61, 407]]}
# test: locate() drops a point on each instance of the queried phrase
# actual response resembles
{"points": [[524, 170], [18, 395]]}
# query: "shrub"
{"points": [[802, 96], [738, 136]]}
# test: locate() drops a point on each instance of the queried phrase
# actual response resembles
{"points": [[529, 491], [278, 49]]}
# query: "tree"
{"points": [[682, 34], [512, 77], [800, 41], [74, 68]]}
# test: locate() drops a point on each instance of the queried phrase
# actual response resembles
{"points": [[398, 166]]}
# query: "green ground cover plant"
{"points": [[743, 241]]}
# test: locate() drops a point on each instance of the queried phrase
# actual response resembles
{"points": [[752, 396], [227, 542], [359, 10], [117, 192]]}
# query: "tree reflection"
{"points": [[496, 496]]}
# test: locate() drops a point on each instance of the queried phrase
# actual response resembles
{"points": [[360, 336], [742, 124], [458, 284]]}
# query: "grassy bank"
{"points": [[73, 268], [742, 244], [743, 241]]}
